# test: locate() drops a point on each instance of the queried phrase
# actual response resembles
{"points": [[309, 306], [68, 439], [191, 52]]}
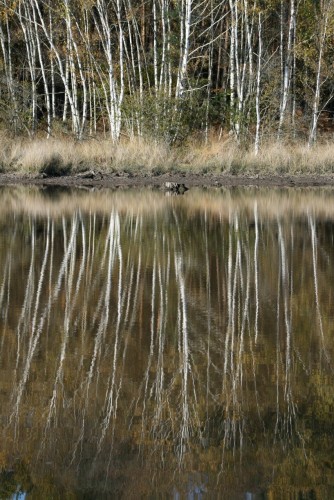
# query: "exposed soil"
{"points": [[119, 180]]}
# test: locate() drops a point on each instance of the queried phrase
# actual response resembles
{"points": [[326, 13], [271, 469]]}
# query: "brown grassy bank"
{"points": [[139, 156]]}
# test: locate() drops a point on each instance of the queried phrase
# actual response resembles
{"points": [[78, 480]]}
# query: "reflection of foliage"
{"points": [[15, 480], [8, 484], [320, 405], [306, 471], [140, 354]]}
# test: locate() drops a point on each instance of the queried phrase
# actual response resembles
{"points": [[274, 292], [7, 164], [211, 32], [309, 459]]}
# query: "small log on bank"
{"points": [[175, 187]]}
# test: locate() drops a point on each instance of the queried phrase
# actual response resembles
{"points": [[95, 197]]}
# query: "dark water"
{"points": [[167, 347]]}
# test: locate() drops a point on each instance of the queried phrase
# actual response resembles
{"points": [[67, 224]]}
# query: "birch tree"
{"points": [[326, 10], [286, 51], [6, 49], [113, 90], [69, 92], [166, 69]]}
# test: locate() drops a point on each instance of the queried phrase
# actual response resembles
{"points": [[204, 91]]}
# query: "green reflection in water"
{"points": [[154, 346]]}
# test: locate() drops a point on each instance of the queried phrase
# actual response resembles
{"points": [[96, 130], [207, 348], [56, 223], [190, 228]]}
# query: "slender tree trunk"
{"points": [[258, 87], [62, 73], [43, 71], [316, 99], [232, 66], [287, 65], [186, 10], [6, 47], [30, 45], [52, 71]]}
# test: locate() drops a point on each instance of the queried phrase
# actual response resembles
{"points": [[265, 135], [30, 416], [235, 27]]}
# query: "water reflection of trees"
{"points": [[163, 343]]}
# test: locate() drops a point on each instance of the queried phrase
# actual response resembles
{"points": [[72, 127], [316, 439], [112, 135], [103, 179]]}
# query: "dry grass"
{"points": [[62, 156], [274, 158], [215, 156], [35, 156]]}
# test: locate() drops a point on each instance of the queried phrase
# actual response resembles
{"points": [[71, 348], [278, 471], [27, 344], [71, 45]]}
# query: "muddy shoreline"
{"points": [[119, 180]]}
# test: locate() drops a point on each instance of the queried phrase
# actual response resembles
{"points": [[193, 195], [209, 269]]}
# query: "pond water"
{"points": [[171, 347]]}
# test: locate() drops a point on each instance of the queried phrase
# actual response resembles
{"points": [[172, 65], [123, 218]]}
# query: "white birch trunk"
{"points": [[26, 26], [155, 55], [5, 42], [258, 88], [232, 66], [316, 100], [287, 65], [52, 71], [114, 96], [60, 66], [45, 83], [185, 22]]}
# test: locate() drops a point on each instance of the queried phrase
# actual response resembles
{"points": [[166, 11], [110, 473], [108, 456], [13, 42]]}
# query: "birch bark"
{"points": [[316, 100]]}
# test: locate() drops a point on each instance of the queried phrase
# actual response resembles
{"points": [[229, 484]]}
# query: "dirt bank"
{"points": [[119, 180]]}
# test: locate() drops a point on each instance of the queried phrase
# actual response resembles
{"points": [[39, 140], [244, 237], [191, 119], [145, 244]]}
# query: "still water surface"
{"points": [[167, 347]]}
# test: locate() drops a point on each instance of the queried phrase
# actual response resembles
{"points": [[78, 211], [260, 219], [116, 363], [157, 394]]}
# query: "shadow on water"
{"points": [[154, 346]]}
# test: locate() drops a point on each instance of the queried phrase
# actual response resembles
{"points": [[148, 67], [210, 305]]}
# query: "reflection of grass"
{"points": [[215, 202], [150, 156]]}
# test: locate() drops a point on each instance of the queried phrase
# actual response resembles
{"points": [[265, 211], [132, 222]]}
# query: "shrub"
{"points": [[54, 166]]}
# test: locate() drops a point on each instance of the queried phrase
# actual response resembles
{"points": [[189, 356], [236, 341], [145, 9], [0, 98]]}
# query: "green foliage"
{"points": [[170, 119]]}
